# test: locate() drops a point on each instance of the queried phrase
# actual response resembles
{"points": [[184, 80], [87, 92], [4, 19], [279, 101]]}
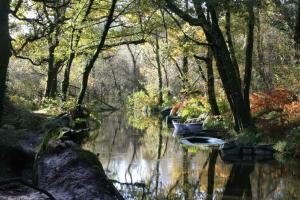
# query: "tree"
{"points": [[290, 11], [92, 60], [159, 73], [4, 49], [54, 64], [230, 79], [44, 27], [75, 38]]}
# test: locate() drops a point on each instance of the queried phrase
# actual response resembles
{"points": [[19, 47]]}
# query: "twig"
{"points": [[136, 184]]}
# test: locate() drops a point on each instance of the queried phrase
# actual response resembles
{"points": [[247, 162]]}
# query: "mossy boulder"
{"points": [[68, 172]]}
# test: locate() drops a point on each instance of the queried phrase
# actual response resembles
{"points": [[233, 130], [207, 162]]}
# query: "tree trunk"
{"points": [[227, 71], [92, 61], [167, 81], [136, 73], [211, 84], [225, 66], [185, 70], [297, 31], [54, 84], [73, 47], [66, 81], [159, 73], [229, 40], [263, 70], [4, 49], [249, 53], [52, 71]]}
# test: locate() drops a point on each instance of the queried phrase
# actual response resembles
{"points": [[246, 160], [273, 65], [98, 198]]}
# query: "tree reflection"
{"points": [[158, 158], [238, 185], [211, 173], [185, 174]]}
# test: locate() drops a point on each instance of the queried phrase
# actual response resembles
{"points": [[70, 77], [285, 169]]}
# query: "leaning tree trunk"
{"points": [[229, 39], [92, 61], [4, 49], [73, 47]]}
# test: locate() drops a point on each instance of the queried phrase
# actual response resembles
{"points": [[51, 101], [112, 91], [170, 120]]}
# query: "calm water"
{"points": [[152, 164]]}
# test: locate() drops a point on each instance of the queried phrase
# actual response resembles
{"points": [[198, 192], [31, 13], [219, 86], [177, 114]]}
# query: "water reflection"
{"points": [[152, 164]]}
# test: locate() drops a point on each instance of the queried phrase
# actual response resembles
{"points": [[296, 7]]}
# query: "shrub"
{"points": [[215, 122], [57, 106], [193, 108], [22, 102], [138, 100], [272, 100]]}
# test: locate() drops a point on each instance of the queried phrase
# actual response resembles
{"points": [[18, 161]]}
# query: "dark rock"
{"points": [[68, 172], [17, 191]]}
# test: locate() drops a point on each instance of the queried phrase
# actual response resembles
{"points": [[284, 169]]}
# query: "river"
{"points": [[152, 164]]}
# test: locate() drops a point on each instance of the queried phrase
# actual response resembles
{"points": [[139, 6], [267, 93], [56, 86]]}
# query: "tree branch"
{"points": [[185, 16]]}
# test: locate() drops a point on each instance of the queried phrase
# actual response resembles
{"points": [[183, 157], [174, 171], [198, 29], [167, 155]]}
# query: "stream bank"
{"points": [[38, 165]]}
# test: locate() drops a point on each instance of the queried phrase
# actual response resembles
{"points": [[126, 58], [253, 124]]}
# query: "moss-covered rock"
{"points": [[68, 172]]}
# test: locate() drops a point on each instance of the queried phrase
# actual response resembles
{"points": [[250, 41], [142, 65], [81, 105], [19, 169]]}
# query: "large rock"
{"points": [[68, 172]]}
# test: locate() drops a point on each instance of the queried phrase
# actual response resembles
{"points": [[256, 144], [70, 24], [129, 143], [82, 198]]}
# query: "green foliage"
{"points": [[223, 105], [50, 136], [289, 146], [248, 136], [75, 122], [195, 149], [139, 100], [22, 102], [281, 146], [57, 106], [140, 121], [193, 108], [168, 101], [216, 122]]}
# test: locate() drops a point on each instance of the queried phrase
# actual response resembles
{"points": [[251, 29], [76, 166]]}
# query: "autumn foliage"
{"points": [[272, 100], [281, 103]]}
